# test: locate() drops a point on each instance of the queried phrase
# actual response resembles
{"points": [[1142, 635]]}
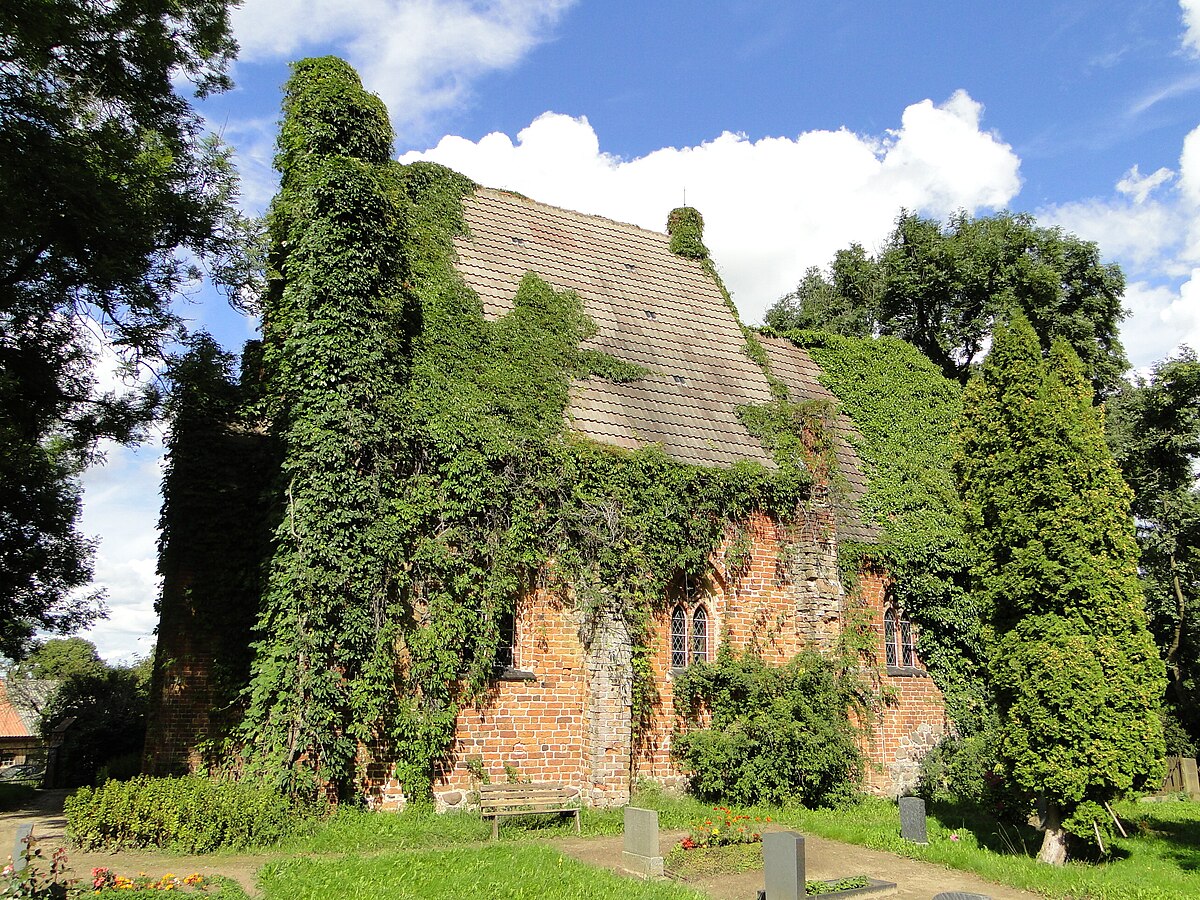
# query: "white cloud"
{"points": [[420, 56], [772, 207], [121, 504], [1161, 317], [1191, 24], [1138, 187], [1153, 231], [1141, 235]]}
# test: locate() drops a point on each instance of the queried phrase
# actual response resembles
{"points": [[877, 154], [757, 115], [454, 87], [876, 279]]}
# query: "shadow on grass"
{"points": [[991, 832], [1175, 825]]}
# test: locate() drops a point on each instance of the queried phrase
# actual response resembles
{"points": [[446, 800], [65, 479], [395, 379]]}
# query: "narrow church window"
{"points": [[899, 640], [908, 656], [505, 655], [699, 635], [889, 637], [679, 643], [689, 636]]}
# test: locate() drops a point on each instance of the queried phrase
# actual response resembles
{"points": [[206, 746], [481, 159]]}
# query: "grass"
{"points": [[494, 871], [709, 861], [1159, 861], [421, 828]]}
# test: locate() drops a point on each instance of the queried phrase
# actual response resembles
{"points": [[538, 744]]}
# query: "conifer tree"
{"points": [[1075, 673]]}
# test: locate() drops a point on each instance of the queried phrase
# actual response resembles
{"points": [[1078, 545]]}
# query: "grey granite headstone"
{"points": [[912, 820], [960, 895], [783, 865], [641, 855], [24, 832]]}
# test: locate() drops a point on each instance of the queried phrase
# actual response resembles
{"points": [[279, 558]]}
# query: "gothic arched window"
{"points": [[699, 648], [679, 637], [899, 640], [689, 636]]}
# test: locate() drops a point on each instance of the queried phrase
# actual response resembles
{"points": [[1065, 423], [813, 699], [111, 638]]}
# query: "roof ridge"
{"points": [[511, 194]]}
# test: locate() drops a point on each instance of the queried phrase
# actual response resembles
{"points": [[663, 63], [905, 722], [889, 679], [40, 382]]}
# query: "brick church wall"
{"points": [[912, 722]]}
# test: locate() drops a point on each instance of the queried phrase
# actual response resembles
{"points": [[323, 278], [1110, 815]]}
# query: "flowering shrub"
{"points": [[724, 828], [31, 881]]}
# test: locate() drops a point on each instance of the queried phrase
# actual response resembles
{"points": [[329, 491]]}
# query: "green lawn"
{"points": [[418, 853], [1159, 861], [492, 871]]}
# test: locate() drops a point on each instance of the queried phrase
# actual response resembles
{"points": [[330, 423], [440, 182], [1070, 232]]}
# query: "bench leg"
{"points": [[495, 828], [577, 831]]}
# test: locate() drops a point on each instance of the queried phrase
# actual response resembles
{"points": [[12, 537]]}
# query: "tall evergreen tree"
{"points": [[1076, 675]]}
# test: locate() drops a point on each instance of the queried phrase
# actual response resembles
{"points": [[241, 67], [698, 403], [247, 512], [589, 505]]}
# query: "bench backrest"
{"points": [[507, 796]]}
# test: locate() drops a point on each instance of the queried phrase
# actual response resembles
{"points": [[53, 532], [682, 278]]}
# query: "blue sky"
{"points": [[794, 127]]}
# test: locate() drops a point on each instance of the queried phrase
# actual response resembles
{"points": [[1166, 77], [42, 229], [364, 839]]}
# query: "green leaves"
{"points": [[426, 477], [1077, 679], [906, 411], [944, 289], [775, 735]]}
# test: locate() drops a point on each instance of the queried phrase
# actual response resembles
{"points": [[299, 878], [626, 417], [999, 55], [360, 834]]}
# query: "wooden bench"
{"points": [[496, 800]]}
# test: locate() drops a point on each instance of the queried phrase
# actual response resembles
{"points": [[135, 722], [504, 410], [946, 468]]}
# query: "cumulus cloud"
{"points": [[1140, 234], [1151, 225], [1160, 316], [420, 56], [772, 207]]}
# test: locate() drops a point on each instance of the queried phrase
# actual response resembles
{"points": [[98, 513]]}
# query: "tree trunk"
{"points": [[1054, 839], [1177, 637]]}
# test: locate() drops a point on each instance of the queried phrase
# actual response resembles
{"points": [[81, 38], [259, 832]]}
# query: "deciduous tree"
{"points": [[1154, 430], [943, 289], [109, 195]]}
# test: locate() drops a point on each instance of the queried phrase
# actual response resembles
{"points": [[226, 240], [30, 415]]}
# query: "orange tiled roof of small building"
{"points": [[11, 722]]}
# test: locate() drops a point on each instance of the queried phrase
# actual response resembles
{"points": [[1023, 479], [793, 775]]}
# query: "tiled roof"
{"points": [[18, 718], [651, 308]]}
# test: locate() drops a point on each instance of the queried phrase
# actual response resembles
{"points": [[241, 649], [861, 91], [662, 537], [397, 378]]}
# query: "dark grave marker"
{"points": [[912, 820]]}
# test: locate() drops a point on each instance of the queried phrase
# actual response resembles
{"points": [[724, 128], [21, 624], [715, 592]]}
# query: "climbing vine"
{"points": [[425, 476], [211, 486], [906, 411]]}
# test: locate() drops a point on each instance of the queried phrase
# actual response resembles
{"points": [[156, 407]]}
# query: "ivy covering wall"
{"points": [[426, 479], [906, 411]]}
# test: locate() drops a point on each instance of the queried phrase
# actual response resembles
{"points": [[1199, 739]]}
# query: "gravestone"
{"points": [[960, 895], [641, 855], [1190, 777], [783, 865], [24, 832], [912, 820]]}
